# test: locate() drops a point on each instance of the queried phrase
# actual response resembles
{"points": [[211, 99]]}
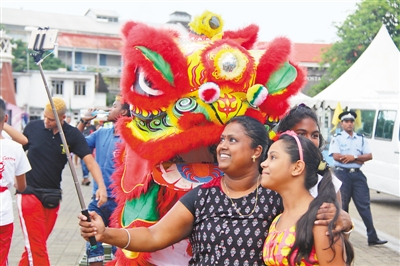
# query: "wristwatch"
{"points": [[355, 157]]}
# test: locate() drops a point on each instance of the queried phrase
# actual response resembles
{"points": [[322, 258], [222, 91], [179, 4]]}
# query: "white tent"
{"points": [[375, 75], [298, 99]]}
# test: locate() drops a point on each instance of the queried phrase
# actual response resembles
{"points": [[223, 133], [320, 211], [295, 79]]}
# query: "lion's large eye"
{"points": [[144, 86]]}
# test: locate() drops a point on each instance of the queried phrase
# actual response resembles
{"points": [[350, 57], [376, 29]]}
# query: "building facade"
{"points": [[88, 45]]}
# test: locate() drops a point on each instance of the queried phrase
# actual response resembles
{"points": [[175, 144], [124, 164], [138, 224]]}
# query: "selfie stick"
{"points": [[38, 60]]}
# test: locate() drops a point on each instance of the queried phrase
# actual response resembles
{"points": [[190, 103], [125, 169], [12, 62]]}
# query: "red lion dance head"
{"points": [[182, 91]]}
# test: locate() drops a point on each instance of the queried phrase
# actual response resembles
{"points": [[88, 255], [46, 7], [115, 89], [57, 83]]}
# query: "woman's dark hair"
{"points": [[255, 130], [312, 158], [295, 116], [125, 106]]}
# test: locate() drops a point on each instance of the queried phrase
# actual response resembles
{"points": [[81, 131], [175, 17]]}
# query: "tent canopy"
{"points": [[375, 75], [298, 99]]}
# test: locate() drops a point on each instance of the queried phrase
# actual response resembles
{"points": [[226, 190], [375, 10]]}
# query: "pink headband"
{"points": [[294, 135]]}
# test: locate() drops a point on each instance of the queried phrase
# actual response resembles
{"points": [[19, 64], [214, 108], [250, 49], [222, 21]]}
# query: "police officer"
{"points": [[349, 151]]}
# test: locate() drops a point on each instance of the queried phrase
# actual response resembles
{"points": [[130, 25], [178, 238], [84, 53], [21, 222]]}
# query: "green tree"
{"points": [[22, 55], [356, 34]]}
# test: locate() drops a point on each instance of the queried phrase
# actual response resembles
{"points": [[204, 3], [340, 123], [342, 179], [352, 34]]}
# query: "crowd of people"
{"points": [[280, 196]]}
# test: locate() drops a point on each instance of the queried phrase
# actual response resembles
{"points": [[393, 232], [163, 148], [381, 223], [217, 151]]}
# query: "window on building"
{"points": [[79, 87], [57, 86], [78, 57], [385, 125], [15, 85], [103, 60], [107, 19], [35, 113]]}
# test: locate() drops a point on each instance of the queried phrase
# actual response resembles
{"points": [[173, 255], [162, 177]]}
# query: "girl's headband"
{"points": [[294, 135]]}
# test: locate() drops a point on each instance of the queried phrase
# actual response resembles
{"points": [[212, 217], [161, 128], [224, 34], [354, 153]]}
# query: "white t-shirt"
{"points": [[13, 162], [5, 135], [336, 182]]}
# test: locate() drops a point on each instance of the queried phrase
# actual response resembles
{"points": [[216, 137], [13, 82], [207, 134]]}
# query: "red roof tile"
{"points": [[303, 52], [309, 52]]}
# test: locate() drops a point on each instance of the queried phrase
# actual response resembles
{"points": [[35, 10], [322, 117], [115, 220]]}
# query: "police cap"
{"points": [[348, 115]]}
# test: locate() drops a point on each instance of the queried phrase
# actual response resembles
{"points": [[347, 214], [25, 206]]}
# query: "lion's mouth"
{"points": [[178, 175], [184, 177], [188, 170], [147, 115]]}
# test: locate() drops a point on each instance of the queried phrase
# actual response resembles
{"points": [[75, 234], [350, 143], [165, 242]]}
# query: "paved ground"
{"points": [[66, 247]]}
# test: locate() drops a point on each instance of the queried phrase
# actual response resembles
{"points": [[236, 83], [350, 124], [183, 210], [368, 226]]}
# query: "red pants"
{"points": [[6, 232], [37, 222]]}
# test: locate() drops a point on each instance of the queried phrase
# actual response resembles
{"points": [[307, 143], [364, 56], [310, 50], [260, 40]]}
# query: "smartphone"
{"points": [[43, 39]]}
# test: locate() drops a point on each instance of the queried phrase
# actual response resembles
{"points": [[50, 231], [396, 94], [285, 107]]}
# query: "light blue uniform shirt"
{"points": [[343, 143], [104, 141]]}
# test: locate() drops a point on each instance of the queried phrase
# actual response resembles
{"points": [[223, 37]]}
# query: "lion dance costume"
{"points": [[182, 90]]}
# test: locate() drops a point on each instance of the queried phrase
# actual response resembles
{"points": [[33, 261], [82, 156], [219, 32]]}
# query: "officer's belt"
{"points": [[349, 170]]}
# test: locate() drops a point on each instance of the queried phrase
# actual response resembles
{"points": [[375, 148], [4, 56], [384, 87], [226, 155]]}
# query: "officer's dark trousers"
{"points": [[354, 185]]}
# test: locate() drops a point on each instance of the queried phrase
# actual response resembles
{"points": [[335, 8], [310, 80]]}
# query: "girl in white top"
{"points": [[304, 122], [13, 166]]}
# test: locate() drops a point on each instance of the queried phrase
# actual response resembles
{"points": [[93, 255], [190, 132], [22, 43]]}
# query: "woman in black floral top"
{"points": [[232, 214], [222, 236]]}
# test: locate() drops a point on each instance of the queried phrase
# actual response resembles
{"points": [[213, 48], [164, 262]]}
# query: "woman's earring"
{"points": [[254, 158]]}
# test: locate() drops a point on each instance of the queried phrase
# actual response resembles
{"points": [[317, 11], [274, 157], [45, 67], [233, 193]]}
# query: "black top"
{"points": [[220, 235], [46, 154]]}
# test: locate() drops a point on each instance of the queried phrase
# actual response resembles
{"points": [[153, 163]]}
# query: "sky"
{"points": [[300, 20]]}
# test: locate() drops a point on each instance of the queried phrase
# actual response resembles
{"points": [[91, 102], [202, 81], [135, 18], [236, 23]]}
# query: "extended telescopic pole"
{"points": [[38, 61]]}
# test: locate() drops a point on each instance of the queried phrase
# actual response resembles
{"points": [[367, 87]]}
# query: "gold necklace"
{"points": [[234, 204]]}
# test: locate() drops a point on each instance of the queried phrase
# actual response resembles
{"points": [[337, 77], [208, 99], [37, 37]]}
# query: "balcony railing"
{"points": [[101, 69]]}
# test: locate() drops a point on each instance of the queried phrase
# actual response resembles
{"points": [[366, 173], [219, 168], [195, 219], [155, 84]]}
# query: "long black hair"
{"points": [[312, 158], [295, 116]]}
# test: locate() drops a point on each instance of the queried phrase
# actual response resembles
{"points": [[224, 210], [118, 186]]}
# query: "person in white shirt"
{"points": [[304, 122], [13, 166]]}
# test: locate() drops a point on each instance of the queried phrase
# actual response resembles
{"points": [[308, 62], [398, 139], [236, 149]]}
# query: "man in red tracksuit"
{"points": [[48, 158]]}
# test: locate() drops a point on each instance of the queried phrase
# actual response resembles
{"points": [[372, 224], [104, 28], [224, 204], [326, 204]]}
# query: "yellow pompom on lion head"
{"points": [[208, 24]]}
